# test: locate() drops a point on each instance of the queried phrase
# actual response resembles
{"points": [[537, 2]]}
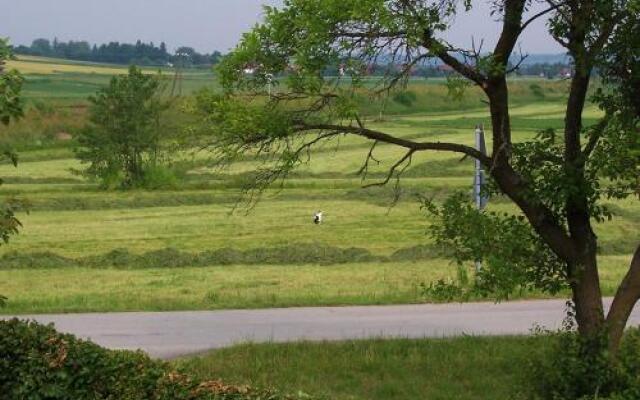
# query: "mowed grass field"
{"points": [[48, 78], [189, 247]]}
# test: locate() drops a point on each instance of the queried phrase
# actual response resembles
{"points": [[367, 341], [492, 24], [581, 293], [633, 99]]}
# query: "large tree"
{"points": [[558, 181]]}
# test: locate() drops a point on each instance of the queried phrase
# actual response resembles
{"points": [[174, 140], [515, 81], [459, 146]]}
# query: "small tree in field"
{"points": [[557, 180], [123, 137]]}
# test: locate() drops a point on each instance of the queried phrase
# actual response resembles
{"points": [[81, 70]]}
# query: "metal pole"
{"points": [[479, 178], [478, 170], [269, 83]]}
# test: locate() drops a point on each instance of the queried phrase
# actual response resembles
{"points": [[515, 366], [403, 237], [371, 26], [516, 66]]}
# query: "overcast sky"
{"points": [[206, 25]]}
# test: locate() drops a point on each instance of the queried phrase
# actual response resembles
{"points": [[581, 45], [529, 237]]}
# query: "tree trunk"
{"points": [[498, 94], [587, 297], [625, 299], [583, 270]]}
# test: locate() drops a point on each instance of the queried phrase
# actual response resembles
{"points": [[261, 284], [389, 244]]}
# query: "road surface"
{"points": [[172, 334]]}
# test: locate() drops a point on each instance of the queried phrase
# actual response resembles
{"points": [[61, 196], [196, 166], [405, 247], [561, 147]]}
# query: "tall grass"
{"points": [[463, 368]]}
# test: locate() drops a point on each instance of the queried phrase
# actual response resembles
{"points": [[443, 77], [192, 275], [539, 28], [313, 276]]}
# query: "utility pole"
{"points": [[269, 83], [180, 63], [479, 197]]}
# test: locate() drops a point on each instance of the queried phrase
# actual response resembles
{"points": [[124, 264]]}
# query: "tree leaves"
{"points": [[11, 107], [11, 104], [514, 257]]}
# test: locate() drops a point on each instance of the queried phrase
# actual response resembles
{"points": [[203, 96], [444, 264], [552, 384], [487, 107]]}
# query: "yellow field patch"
{"points": [[45, 66], [31, 67]]}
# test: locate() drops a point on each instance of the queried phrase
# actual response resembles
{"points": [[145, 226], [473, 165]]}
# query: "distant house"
{"points": [[565, 73]]}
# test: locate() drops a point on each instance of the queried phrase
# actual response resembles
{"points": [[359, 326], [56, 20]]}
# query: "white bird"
{"points": [[317, 218]]}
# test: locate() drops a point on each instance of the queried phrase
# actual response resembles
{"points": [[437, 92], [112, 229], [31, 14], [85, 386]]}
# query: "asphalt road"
{"points": [[172, 334]]}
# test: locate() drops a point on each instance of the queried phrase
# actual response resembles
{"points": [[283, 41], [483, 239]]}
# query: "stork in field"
{"points": [[317, 218]]}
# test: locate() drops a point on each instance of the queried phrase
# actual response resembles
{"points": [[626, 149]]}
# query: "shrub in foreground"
{"points": [[574, 368], [36, 362]]}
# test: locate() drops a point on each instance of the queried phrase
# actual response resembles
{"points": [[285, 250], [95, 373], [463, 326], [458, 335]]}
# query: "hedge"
{"points": [[38, 363]]}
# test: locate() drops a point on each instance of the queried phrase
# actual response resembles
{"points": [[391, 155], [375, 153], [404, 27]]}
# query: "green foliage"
{"points": [[444, 290], [158, 176], [406, 98], [36, 362], [9, 224], [457, 87], [575, 367], [514, 257], [124, 133], [11, 107], [11, 104], [308, 34], [617, 154], [539, 161], [448, 290]]}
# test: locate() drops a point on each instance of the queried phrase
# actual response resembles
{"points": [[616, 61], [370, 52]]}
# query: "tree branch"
{"points": [[596, 134], [386, 138], [365, 166], [442, 52], [511, 29], [393, 168], [553, 7], [371, 35]]}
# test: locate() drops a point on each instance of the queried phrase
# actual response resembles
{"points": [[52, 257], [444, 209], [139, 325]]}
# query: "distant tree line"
{"points": [[546, 70], [121, 53]]}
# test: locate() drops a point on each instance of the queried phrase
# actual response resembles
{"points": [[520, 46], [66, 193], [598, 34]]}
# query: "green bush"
{"points": [[406, 98], [537, 90], [159, 177], [573, 368], [38, 363]]}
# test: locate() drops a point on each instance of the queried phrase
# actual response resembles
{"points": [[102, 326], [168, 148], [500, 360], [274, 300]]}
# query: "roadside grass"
{"points": [[217, 287], [82, 289], [436, 369]]}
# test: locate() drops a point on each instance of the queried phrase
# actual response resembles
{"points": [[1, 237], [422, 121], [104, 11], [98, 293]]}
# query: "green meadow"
{"points": [[194, 246]]}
